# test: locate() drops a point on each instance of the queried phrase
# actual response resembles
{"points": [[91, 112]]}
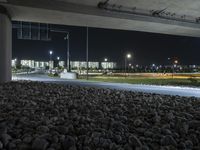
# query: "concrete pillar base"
{"points": [[5, 46]]}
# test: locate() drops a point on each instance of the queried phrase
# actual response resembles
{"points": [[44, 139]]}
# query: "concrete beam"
{"points": [[5, 46], [59, 12]]}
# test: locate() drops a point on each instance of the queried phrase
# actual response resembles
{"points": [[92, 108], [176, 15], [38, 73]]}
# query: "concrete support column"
{"points": [[5, 46]]}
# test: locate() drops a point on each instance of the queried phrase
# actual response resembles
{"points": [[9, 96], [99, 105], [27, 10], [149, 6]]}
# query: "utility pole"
{"points": [[125, 68], [127, 56], [68, 55], [66, 37], [87, 51]]}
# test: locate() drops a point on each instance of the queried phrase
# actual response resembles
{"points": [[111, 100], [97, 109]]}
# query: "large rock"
{"points": [[40, 144], [134, 141], [168, 140], [68, 143]]}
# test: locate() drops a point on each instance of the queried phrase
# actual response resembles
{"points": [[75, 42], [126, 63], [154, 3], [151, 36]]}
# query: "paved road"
{"points": [[167, 90]]}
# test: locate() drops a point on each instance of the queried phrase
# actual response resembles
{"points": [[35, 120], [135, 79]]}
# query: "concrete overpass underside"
{"points": [[173, 17], [117, 14]]}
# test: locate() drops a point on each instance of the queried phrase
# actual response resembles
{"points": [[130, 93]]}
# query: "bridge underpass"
{"points": [[168, 17]]}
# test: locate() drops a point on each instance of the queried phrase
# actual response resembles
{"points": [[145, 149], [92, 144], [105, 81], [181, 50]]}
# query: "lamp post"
{"points": [[173, 65], [106, 63], [50, 58], [50, 54], [58, 58], [15, 63], [66, 37], [128, 56], [87, 53], [153, 67], [176, 61]]}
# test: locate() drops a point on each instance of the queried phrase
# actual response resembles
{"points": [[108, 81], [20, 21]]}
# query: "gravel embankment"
{"points": [[39, 116]]}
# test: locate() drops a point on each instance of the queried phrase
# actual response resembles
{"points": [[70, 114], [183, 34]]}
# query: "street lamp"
{"points": [[50, 54], [50, 58], [67, 38], [153, 68], [58, 58], [174, 64], [106, 62], [128, 56]]}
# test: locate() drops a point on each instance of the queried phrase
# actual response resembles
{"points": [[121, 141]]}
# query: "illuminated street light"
{"points": [[66, 38], [173, 61], [153, 68], [50, 58], [106, 62], [50, 54], [173, 66], [128, 56], [58, 58]]}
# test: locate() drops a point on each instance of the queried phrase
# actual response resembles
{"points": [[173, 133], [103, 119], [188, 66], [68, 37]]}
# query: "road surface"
{"points": [[166, 90]]}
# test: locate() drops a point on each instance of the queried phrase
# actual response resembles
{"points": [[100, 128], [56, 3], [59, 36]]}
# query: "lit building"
{"points": [[34, 64], [93, 65], [51, 64], [28, 63], [74, 64], [78, 64], [37, 64], [41, 64], [14, 63], [108, 65], [83, 64]]}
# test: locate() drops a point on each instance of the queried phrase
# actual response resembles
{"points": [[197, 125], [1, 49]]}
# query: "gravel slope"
{"points": [[39, 116]]}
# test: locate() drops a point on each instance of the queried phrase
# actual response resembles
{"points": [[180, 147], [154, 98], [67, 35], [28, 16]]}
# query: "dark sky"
{"points": [[147, 48]]}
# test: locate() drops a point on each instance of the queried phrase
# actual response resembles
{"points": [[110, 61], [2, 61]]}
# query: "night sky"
{"points": [[147, 48]]}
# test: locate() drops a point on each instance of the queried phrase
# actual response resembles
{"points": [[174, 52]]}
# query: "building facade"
{"points": [[74, 64]]}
